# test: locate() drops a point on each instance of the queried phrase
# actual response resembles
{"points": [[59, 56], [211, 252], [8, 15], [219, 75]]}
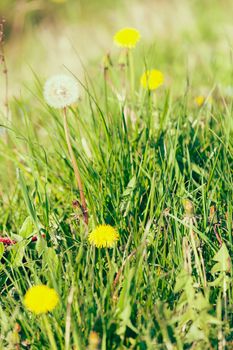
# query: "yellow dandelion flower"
{"points": [[127, 37], [201, 100], [103, 236], [152, 79], [41, 299]]}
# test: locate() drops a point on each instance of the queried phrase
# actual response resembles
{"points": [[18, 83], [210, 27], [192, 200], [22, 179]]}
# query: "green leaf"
{"points": [[126, 196], [17, 253], [124, 306], [41, 245], [30, 206], [27, 228], [51, 259], [223, 259], [125, 292], [195, 334], [200, 302], [1, 250], [188, 316], [207, 318], [218, 282], [181, 281]]}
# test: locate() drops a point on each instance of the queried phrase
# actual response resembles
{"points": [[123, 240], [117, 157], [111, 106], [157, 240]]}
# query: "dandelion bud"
{"points": [[93, 341], [188, 207]]}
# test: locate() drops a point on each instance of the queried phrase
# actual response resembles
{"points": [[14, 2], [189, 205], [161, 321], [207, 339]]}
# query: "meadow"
{"points": [[116, 176]]}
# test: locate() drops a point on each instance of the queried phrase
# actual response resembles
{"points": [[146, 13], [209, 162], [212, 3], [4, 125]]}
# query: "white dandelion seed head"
{"points": [[61, 91]]}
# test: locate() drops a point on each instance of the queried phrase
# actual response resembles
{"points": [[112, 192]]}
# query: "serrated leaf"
{"points": [[200, 302], [188, 316], [218, 282], [223, 259], [195, 334], [130, 187], [41, 245], [207, 318], [181, 281], [51, 259], [126, 195], [216, 268]]}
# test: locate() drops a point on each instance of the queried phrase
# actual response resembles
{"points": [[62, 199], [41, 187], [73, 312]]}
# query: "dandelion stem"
{"points": [[131, 71], [75, 168], [49, 333]]}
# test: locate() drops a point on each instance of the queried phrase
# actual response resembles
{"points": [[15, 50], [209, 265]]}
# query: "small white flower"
{"points": [[61, 91]]}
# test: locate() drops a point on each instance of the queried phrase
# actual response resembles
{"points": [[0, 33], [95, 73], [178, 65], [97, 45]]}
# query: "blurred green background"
{"points": [[185, 35]]}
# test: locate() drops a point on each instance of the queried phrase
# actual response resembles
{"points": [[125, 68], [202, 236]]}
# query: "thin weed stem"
{"points": [[49, 333], [131, 72]]}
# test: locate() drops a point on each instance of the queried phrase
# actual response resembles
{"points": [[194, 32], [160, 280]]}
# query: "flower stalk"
{"points": [[49, 333], [131, 72]]}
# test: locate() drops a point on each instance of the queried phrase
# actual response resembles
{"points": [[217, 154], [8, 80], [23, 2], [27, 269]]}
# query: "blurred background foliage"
{"points": [[179, 36], [189, 40]]}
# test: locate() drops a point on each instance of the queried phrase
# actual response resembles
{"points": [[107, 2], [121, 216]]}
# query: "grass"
{"points": [[156, 167]]}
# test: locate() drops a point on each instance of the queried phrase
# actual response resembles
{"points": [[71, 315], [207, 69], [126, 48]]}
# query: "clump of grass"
{"points": [[160, 181]]}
